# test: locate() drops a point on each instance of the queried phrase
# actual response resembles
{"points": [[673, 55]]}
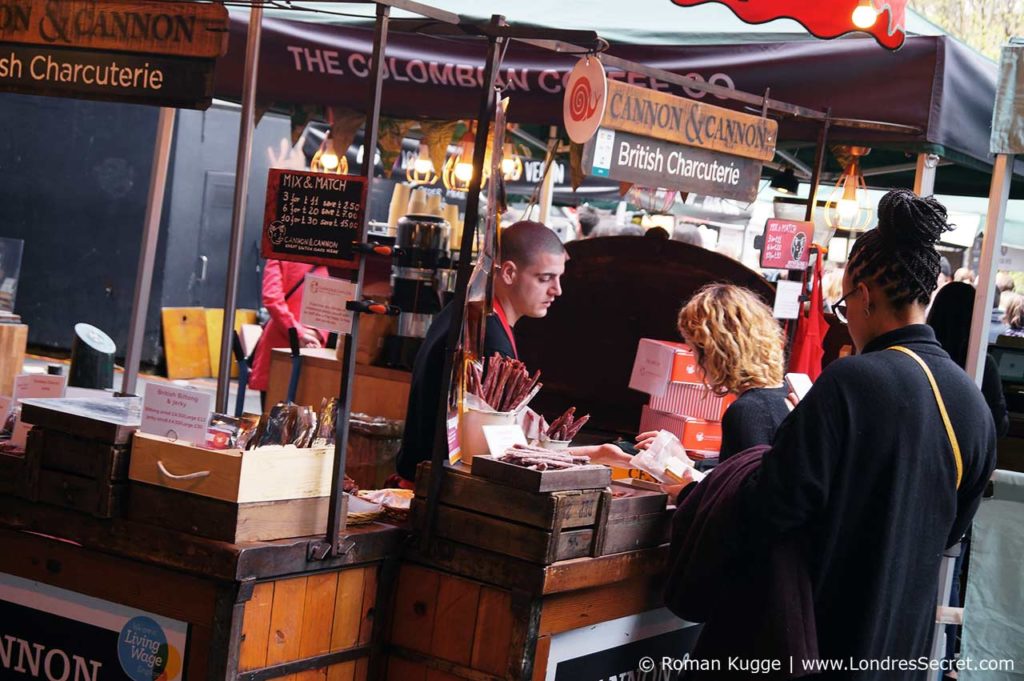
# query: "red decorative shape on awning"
{"points": [[823, 18]]}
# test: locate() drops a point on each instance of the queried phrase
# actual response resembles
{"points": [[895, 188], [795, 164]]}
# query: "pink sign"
{"points": [[787, 244]]}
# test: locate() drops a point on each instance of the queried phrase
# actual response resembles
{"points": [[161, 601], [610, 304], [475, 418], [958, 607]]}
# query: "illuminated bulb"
{"points": [[508, 166], [847, 209], [423, 165], [329, 159], [864, 15], [464, 172]]}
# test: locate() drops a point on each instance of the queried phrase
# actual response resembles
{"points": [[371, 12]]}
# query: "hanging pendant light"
{"points": [[848, 206], [327, 159], [458, 169], [421, 171]]}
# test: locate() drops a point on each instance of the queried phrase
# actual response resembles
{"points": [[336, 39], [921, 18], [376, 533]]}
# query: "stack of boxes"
{"points": [[680, 401]]}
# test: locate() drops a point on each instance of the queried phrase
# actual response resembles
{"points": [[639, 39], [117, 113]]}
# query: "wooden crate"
{"points": [[16, 478], [227, 521], [540, 528], [77, 473], [631, 519], [257, 475]]}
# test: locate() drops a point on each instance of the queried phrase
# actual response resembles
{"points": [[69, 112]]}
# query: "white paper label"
{"points": [[323, 303], [652, 368], [500, 438], [38, 385], [787, 299], [176, 413]]}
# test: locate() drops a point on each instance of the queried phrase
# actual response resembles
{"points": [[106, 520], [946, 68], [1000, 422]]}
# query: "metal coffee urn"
{"points": [[421, 249]]}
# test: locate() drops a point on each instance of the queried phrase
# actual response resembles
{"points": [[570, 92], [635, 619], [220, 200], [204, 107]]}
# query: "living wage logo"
{"points": [[144, 652]]}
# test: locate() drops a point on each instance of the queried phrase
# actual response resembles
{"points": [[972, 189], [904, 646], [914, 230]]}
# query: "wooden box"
{"points": [[536, 527], [16, 477], [78, 473], [227, 521], [240, 477], [584, 477], [631, 519]]}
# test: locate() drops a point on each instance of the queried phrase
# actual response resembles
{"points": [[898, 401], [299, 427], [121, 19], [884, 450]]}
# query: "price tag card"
{"points": [[176, 413], [500, 438], [38, 385], [454, 450], [323, 303], [787, 299]]}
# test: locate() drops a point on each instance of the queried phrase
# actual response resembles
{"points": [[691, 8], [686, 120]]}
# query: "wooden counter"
{"points": [[252, 611], [377, 391]]}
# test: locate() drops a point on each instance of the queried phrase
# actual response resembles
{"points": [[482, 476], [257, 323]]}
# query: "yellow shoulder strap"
{"points": [[942, 410]]}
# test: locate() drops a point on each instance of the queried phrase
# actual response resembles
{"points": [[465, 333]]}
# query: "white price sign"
{"points": [[176, 413], [323, 303]]}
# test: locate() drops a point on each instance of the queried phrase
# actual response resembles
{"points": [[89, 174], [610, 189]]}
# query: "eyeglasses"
{"points": [[840, 308]]}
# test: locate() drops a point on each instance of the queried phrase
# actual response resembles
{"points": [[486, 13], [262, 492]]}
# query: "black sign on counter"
{"points": [[313, 217], [651, 162]]}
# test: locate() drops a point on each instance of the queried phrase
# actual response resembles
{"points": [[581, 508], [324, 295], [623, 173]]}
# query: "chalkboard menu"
{"points": [[787, 244], [313, 217]]}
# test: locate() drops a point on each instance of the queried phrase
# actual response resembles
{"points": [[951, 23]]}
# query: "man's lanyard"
{"points": [[499, 312]]}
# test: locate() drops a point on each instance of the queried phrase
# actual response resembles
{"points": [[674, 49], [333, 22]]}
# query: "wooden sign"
{"points": [[787, 244], [652, 162], [657, 114], [313, 217], [187, 29]]}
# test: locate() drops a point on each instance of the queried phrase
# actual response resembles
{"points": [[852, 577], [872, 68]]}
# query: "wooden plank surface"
{"points": [[286, 620], [89, 458], [317, 621], [503, 536], [223, 520], [580, 573], [540, 658], [368, 609], [347, 609], [52, 416], [573, 508], [575, 609], [100, 498], [405, 670], [455, 619], [346, 671], [13, 339], [588, 477], [493, 636], [631, 533], [256, 628], [415, 603]]}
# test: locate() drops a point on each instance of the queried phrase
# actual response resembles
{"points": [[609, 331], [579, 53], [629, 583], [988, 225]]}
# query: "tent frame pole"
{"points": [[488, 100], [242, 163], [924, 173], [150, 237], [984, 295]]}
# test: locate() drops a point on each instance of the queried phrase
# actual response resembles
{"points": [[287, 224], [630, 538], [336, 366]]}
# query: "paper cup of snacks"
{"points": [[562, 430]]}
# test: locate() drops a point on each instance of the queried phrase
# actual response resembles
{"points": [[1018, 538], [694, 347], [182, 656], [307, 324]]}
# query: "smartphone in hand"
{"points": [[798, 384]]}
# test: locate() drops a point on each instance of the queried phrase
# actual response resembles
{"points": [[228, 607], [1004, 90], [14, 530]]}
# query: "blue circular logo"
{"points": [[142, 649]]}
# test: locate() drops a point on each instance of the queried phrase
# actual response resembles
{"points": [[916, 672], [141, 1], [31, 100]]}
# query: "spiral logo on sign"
{"points": [[582, 102]]}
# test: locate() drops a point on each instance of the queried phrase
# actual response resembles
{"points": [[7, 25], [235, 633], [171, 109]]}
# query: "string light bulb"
{"points": [[327, 160], [421, 171], [864, 14], [848, 206]]}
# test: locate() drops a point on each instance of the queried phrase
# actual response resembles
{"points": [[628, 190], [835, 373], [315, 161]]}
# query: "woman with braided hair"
{"points": [[875, 473]]}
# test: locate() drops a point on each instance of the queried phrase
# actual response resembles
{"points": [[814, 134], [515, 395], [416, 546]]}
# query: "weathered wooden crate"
{"points": [[533, 526], [225, 520], [16, 475], [631, 518], [78, 473]]}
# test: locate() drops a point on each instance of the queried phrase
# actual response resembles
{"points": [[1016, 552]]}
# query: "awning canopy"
{"points": [[935, 84]]}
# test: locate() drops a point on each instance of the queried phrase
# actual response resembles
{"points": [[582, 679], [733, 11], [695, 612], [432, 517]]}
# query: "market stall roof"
{"points": [[934, 83]]}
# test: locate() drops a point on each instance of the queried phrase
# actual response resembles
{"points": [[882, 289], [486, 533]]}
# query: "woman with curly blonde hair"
{"points": [[740, 347]]}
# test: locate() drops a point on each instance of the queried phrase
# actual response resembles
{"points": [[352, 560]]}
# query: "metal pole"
{"points": [[440, 452], [924, 174], [252, 52], [547, 185], [819, 162], [336, 516], [1002, 174], [150, 235]]}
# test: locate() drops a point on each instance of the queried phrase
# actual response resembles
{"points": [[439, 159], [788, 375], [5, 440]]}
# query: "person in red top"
{"points": [[282, 296]]}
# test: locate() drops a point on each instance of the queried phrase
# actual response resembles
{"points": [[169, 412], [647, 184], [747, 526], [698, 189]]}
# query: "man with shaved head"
{"points": [[526, 283]]}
